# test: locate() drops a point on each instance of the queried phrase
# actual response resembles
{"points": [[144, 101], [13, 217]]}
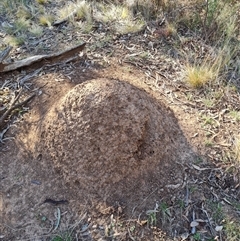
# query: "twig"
{"points": [[3, 133], [144, 200], [193, 230], [209, 221], [77, 223], [29, 76], [5, 53], [187, 196], [58, 219], [13, 106], [130, 235], [7, 112]]}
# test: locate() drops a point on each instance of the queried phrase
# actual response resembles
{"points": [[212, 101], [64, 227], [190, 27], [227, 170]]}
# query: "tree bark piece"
{"points": [[42, 59]]}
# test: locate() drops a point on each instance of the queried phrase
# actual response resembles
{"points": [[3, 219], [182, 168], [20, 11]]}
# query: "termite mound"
{"points": [[109, 137]]}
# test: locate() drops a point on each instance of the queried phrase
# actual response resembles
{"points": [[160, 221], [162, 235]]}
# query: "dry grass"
{"points": [[236, 149], [76, 11], [42, 1], [24, 12], [235, 115], [199, 76], [232, 229], [36, 30], [46, 20], [121, 18], [212, 68], [84, 11], [14, 41]]}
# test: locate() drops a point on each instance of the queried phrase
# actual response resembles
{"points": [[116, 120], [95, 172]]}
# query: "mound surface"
{"points": [[107, 136]]}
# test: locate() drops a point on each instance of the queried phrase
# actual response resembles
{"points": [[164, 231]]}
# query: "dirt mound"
{"points": [[111, 138]]}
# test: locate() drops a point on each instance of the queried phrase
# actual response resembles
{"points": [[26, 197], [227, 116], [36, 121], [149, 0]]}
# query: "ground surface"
{"points": [[194, 192], [27, 181]]}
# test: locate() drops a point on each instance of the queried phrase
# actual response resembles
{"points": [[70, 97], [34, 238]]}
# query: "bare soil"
{"points": [[52, 147], [124, 159]]}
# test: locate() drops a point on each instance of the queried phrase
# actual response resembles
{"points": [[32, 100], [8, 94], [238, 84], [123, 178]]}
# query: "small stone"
{"points": [[194, 224], [218, 228]]}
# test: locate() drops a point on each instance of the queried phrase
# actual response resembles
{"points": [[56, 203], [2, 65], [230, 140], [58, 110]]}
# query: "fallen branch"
{"points": [[40, 59]]}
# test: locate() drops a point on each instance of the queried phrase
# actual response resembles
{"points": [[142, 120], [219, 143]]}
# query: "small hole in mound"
{"points": [[76, 183], [151, 152]]}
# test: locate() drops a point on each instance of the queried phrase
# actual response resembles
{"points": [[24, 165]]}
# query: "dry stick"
{"points": [[144, 200], [3, 133], [12, 102], [5, 53], [13, 106], [29, 76], [130, 235], [58, 219], [7, 112]]}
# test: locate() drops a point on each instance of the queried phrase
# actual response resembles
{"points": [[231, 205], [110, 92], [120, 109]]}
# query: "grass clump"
{"points": [[216, 210], [119, 17], [171, 29], [199, 76], [212, 68], [214, 20], [42, 1], [67, 236], [66, 12], [111, 13], [125, 27], [76, 11], [232, 230], [36, 30], [235, 115], [46, 20], [152, 219], [84, 11], [15, 9], [147, 9], [15, 40], [23, 12], [21, 25], [216, 23], [152, 216], [79, 14]]}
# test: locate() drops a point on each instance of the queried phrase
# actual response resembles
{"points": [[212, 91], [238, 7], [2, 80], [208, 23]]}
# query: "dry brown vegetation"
{"points": [[181, 54]]}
